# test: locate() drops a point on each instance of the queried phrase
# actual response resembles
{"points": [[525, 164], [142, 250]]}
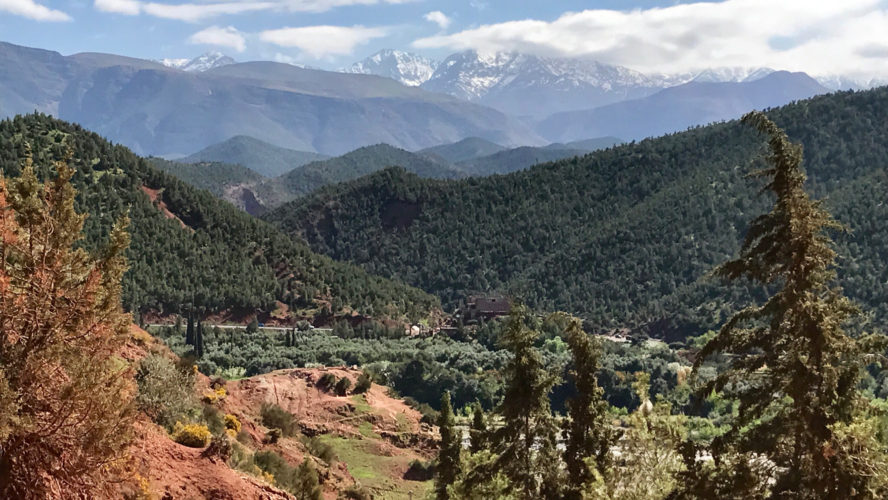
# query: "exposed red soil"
{"points": [[153, 195], [174, 471]]}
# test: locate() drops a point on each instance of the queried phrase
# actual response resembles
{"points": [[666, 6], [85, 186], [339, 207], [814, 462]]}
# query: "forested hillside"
{"points": [[513, 160], [363, 161], [210, 175], [259, 156], [189, 247], [625, 236], [256, 194]]}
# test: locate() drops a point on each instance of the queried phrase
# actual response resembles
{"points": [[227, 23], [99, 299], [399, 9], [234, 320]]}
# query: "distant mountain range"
{"points": [[201, 63], [174, 108], [677, 108], [163, 111], [528, 85], [236, 169], [410, 69]]}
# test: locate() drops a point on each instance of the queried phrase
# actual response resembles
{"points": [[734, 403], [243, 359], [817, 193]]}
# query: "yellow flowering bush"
{"points": [[192, 435], [232, 423]]}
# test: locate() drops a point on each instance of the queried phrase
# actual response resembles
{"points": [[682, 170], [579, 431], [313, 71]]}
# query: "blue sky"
{"points": [[845, 37]]}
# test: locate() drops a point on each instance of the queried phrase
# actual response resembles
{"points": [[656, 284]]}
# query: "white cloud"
{"points": [[325, 5], [32, 10], [800, 35], [191, 12], [323, 41], [195, 12], [128, 7], [438, 18], [223, 37]]}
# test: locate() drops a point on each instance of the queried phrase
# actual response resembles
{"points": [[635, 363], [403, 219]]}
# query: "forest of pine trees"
{"points": [[225, 260], [621, 237]]}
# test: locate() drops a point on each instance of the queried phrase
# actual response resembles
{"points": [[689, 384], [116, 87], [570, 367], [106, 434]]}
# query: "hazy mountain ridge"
{"points": [[261, 157], [250, 191], [166, 112], [677, 108]]}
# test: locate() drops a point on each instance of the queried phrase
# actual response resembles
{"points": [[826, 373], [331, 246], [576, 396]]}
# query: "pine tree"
{"points": [[478, 430], [588, 433], [307, 487], [448, 467], [66, 408], [198, 339], [526, 442], [189, 330], [794, 370]]}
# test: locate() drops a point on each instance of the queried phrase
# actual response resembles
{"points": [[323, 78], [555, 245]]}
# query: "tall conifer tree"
{"points": [[526, 442], [448, 468], [588, 434], [794, 370], [478, 429], [189, 330]]}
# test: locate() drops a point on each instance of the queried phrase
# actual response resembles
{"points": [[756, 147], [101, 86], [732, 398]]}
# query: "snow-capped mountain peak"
{"points": [[732, 74], [200, 63], [174, 63], [472, 75], [405, 67]]}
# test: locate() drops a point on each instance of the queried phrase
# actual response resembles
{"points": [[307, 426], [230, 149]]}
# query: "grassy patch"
{"points": [[361, 405], [366, 430], [377, 473], [403, 423]]}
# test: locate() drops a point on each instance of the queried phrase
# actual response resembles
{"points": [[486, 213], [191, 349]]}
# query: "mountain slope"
{"points": [[214, 177], [625, 236], [313, 176], [512, 160], [677, 108], [189, 247], [259, 156], [588, 144], [466, 149], [166, 112], [404, 67], [38, 79]]}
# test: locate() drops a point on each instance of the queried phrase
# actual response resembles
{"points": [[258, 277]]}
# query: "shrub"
{"points": [[429, 414], [234, 373], [232, 423], [213, 396], [284, 474], [363, 384], [321, 450], [242, 460], [220, 447], [343, 386], [326, 382], [275, 417], [420, 471], [244, 438], [272, 436], [192, 435], [212, 417], [166, 393], [355, 492]]}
